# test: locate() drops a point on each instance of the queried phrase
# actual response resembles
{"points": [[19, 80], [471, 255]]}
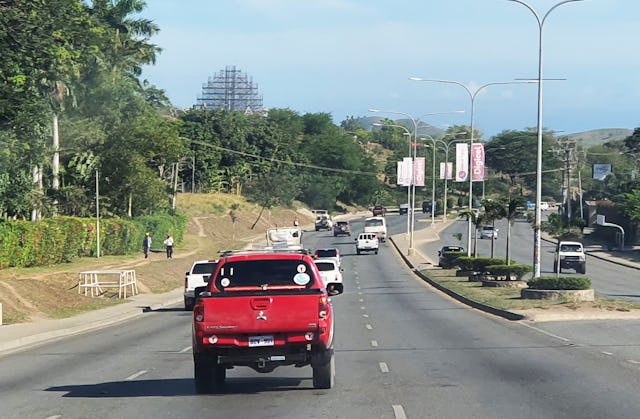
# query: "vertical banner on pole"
{"points": [[418, 171], [477, 162], [462, 162], [446, 170], [405, 169]]}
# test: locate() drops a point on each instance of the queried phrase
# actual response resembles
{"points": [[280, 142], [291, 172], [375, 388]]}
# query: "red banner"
{"points": [[477, 162]]}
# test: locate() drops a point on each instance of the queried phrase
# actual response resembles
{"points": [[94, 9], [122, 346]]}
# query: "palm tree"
{"points": [[493, 210], [513, 210], [476, 220]]}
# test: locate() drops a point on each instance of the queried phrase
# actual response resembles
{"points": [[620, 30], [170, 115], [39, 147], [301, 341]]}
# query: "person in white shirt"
{"points": [[168, 242]]}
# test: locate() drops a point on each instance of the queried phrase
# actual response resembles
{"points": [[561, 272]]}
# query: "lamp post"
{"points": [[412, 187], [408, 134], [472, 97], [536, 230]]}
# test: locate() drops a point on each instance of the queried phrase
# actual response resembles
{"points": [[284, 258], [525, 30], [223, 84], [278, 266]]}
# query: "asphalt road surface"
{"points": [[403, 350]]}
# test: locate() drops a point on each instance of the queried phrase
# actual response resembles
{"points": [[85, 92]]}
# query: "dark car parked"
{"points": [[446, 254]]}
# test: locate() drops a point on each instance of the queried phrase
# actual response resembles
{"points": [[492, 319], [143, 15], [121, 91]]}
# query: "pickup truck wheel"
{"points": [[358, 251], [582, 269], [376, 251], [324, 375], [188, 304], [203, 377]]}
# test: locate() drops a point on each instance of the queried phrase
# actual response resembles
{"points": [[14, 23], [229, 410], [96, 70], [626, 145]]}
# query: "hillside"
{"points": [[216, 222], [601, 136]]}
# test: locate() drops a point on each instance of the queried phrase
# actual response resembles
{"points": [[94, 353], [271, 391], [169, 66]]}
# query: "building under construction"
{"points": [[230, 89]]}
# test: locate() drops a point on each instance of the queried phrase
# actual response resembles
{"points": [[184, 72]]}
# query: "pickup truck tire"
{"points": [[324, 373], [582, 269], [189, 303], [376, 251], [209, 377]]}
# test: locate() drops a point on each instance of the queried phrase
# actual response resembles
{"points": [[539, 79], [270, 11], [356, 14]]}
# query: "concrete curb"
{"points": [[41, 338], [502, 313]]}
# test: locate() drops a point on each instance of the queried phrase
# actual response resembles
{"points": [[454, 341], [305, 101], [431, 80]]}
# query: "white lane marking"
{"points": [[187, 349], [136, 375], [398, 411], [361, 300], [633, 361], [359, 293], [607, 353], [369, 327], [54, 417], [363, 308], [365, 315], [545, 332], [374, 343], [383, 367]]}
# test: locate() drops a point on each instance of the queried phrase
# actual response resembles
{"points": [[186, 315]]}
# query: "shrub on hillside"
{"points": [[560, 283]]}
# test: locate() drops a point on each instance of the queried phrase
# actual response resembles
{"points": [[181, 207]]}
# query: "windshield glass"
{"points": [[204, 268], [325, 266], [264, 272], [373, 223], [326, 253]]}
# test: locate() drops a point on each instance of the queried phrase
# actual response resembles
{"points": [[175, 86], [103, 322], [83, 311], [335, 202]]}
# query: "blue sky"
{"points": [[347, 56]]}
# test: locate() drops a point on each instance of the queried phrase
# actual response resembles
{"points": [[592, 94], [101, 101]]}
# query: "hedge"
{"points": [[512, 271], [62, 239], [560, 283]]}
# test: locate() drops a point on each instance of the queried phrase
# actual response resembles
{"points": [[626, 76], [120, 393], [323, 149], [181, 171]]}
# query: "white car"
{"points": [[489, 232], [330, 253], [329, 271], [367, 242]]}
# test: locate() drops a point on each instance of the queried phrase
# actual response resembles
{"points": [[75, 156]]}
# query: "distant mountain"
{"points": [[600, 136]]}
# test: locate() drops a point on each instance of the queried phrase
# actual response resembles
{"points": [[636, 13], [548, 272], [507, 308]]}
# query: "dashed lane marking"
{"points": [[374, 343], [368, 326], [187, 349], [383, 367], [398, 411], [136, 375]]}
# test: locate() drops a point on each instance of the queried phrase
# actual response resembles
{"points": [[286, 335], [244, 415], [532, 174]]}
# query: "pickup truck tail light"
{"points": [[198, 312], [323, 307]]}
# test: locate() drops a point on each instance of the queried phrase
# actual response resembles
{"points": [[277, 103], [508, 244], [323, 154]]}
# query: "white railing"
{"points": [[94, 282]]}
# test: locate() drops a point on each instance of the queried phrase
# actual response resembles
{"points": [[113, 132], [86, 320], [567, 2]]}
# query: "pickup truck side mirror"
{"points": [[335, 288]]}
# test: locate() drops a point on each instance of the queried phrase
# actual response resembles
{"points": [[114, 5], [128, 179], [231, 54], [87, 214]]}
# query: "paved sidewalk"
{"points": [[14, 337]]}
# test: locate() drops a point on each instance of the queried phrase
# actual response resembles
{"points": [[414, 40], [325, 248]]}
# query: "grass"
{"points": [[508, 299]]}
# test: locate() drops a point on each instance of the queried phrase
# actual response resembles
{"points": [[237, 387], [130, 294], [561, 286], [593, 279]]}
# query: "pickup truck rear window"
{"points": [[263, 274], [373, 223]]}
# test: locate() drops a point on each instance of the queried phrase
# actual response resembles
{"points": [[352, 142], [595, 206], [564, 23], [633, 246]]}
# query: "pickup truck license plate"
{"points": [[266, 340]]}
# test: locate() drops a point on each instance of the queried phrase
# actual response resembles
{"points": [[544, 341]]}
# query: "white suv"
{"points": [[367, 242]]}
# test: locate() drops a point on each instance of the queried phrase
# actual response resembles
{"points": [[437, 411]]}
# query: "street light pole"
{"points": [[472, 97], [538, 214], [412, 187]]}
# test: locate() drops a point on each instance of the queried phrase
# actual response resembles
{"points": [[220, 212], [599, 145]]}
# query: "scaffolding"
{"points": [[232, 90]]}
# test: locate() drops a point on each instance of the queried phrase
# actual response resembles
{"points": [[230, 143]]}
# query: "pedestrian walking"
{"points": [[146, 244], [296, 222], [168, 242]]}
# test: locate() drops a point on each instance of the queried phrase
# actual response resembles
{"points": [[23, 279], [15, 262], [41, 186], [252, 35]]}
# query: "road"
{"points": [[608, 279], [403, 351]]}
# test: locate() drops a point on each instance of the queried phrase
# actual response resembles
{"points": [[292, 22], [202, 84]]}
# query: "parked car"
{"points": [[367, 242], [341, 227], [330, 271], [329, 253], [403, 209], [379, 211], [489, 232], [197, 276], [444, 259]]}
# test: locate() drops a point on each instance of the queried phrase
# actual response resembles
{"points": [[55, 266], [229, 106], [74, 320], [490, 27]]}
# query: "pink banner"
{"points": [[418, 171], [477, 162], [462, 162]]}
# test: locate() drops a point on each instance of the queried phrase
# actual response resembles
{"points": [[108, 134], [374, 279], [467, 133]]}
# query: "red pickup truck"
{"points": [[263, 309]]}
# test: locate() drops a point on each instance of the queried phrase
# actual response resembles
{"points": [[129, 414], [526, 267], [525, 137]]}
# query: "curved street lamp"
{"points": [[536, 230], [472, 97]]}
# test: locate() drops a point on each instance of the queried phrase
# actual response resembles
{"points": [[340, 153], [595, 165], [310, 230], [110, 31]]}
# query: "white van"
{"points": [[376, 225]]}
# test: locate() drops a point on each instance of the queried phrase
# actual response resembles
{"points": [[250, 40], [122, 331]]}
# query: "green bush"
{"points": [[480, 264], [450, 259], [513, 272], [560, 283]]}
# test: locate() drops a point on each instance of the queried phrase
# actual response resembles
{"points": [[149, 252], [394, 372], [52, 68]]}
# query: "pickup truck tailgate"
{"points": [[261, 313]]}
